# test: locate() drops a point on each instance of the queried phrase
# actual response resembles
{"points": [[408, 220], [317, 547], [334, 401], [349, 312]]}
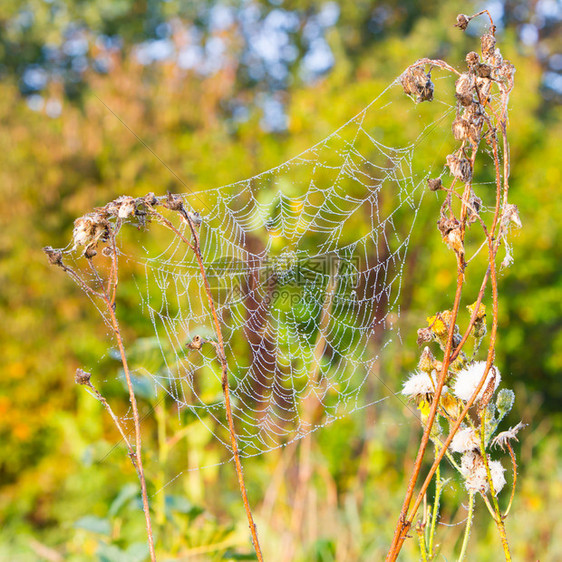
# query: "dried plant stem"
{"points": [[221, 356], [137, 456], [468, 527], [107, 294]]}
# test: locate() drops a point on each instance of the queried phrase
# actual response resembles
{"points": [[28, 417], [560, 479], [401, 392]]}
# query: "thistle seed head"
{"points": [[472, 60], [434, 184], [461, 129], [488, 44], [462, 21], [459, 167], [464, 89], [418, 84]]}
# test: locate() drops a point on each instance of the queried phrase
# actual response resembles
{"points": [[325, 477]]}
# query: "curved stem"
{"points": [[221, 356]]}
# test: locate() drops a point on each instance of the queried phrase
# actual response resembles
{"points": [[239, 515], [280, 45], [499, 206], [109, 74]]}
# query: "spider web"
{"points": [[305, 264]]}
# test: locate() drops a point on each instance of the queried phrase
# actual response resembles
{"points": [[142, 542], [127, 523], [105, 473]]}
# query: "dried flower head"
{"points": [[484, 70], [464, 88], [461, 129], [82, 377], [488, 44], [420, 386], [472, 60], [418, 84], [451, 232], [474, 471], [465, 439], [89, 230], [469, 378], [196, 342], [123, 207], [434, 184], [460, 167], [173, 202], [425, 335], [462, 21], [502, 439], [54, 256]]}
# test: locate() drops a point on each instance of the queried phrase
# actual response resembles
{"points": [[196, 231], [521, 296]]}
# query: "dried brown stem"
{"points": [[221, 356]]}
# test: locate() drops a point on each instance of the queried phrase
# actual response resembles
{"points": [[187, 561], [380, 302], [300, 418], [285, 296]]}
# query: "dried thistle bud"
{"points": [[484, 71], [196, 342], [461, 129], [174, 202], [472, 60], [473, 208], [464, 89], [123, 207], [502, 439], [426, 361], [454, 241], [462, 21], [424, 335], [150, 199], [418, 84], [82, 377], [434, 184], [54, 256], [445, 225], [488, 44], [90, 229], [459, 167], [90, 252]]}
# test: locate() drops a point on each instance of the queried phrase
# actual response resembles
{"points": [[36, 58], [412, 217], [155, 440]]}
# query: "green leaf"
{"points": [[94, 524], [127, 492], [232, 555], [143, 386]]}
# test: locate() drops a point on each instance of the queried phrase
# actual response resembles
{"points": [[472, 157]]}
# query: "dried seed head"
{"points": [[82, 377], [464, 88], [488, 43], [484, 71], [454, 241], [89, 230], [150, 199], [434, 184], [465, 439], [418, 84], [123, 207], [420, 386], [473, 208], [425, 335], [90, 252], [54, 256], [196, 342], [459, 167], [461, 129], [174, 202], [503, 438], [476, 477], [462, 21], [472, 60]]}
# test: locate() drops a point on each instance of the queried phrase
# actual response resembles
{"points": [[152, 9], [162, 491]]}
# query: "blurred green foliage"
{"points": [[67, 487]]}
